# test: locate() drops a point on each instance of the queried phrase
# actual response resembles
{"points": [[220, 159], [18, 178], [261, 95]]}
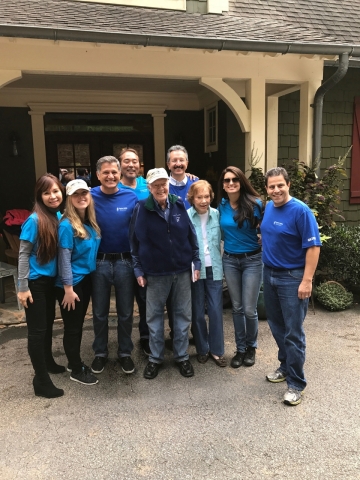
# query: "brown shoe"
{"points": [[220, 362], [202, 358]]}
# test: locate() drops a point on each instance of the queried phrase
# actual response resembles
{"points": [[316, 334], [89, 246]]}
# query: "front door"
{"points": [[71, 149]]}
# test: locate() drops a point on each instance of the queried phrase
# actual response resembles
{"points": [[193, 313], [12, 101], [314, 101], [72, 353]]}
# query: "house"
{"points": [[82, 78]]}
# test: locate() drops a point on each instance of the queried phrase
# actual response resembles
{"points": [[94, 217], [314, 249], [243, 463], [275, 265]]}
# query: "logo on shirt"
{"points": [[177, 217], [279, 224], [121, 209], [311, 238]]}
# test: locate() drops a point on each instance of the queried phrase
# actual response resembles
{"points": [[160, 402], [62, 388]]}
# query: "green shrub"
{"points": [[340, 255], [321, 195], [333, 296]]}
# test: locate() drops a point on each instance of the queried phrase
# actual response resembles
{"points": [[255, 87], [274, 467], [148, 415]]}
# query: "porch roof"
{"points": [[295, 26]]}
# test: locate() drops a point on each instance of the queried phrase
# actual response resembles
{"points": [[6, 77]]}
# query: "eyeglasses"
{"points": [[233, 180]]}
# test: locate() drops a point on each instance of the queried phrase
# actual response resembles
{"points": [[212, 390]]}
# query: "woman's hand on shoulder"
{"points": [[24, 297], [191, 176]]}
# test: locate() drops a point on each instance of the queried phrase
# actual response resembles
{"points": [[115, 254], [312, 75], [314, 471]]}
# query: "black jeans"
{"points": [[140, 295], [74, 320], [40, 317]]}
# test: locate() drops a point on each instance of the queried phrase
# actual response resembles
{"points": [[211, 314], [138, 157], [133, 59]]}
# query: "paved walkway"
{"points": [[220, 424]]}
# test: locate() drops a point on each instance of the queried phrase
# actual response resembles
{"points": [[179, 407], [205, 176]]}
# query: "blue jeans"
{"points": [[119, 273], [209, 291], [243, 277], [178, 286], [286, 313]]}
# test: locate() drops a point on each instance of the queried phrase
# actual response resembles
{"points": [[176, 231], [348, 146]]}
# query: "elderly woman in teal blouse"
{"points": [[209, 341]]}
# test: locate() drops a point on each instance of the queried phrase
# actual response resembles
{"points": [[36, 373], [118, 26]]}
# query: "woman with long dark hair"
{"points": [[79, 240], [241, 211], [37, 272]]}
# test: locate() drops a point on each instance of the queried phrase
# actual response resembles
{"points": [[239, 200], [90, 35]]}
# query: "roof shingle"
{"points": [[321, 21]]}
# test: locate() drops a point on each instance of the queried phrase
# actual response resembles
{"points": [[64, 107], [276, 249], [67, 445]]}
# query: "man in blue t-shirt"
{"points": [[130, 180], [114, 208], [291, 247]]}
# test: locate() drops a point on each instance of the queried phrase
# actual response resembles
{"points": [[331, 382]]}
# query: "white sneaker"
{"points": [[276, 377], [292, 396]]}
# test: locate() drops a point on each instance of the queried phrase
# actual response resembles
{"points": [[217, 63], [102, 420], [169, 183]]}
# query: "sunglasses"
{"points": [[233, 180]]}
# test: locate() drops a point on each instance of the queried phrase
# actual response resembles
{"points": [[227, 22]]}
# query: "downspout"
{"points": [[318, 106]]}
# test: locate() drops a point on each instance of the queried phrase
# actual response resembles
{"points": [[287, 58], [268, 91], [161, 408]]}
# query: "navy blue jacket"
{"points": [[161, 247]]}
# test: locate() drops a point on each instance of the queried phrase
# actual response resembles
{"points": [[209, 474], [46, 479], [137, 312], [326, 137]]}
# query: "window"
{"points": [[211, 128], [72, 155], [355, 156]]}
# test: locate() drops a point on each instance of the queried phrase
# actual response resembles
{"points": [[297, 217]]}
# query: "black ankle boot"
{"points": [[53, 367], [46, 389]]}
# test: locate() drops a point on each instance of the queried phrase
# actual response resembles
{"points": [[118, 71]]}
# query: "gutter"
{"points": [[178, 42], [318, 106]]}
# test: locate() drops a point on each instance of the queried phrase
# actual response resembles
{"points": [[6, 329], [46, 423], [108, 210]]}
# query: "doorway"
{"points": [[77, 141]]}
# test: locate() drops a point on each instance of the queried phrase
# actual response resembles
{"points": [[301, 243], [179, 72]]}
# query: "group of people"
{"points": [[160, 240]]}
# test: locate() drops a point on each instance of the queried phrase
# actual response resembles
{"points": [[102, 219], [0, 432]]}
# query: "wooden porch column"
{"points": [[159, 139], [255, 137], [272, 130], [307, 94], [37, 124]]}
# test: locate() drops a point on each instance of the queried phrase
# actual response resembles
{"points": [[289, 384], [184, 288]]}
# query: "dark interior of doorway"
{"points": [[78, 140]]}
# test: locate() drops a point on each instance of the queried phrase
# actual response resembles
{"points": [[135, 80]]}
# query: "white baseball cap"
{"points": [[155, 174], [74, 185]]}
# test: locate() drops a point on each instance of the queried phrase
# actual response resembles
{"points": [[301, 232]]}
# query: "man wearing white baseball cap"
{"points": [[163, 246]]}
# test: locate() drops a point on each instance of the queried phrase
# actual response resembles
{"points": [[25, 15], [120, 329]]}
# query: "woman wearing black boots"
{"points": [[37, 272]]}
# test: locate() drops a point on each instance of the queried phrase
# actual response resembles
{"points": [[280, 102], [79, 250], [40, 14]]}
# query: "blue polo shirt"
{"points": [[29, 233], [238, 240], [83, 250], [287, 232], [113, 214], [141, 190]]}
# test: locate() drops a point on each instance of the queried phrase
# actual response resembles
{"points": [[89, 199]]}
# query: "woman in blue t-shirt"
{"points": [[79, 240], [37, 272], [241, 211]]}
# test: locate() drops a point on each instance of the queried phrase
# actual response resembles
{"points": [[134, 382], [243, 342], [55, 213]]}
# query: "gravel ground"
{"points": [[220, 424]]}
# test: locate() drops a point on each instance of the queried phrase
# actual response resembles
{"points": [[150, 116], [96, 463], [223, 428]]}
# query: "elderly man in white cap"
{"points": [[164, 246]]}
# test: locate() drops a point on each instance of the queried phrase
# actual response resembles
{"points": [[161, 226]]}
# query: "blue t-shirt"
{"points": [[287, 232], [182, 190], [238, 240], [113, 214], [84, 250], [141, 190], [29, 233]]}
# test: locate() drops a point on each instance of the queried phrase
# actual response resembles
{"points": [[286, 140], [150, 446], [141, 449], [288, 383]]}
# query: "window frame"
{"points": [[211, 145], [355, 156]]}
